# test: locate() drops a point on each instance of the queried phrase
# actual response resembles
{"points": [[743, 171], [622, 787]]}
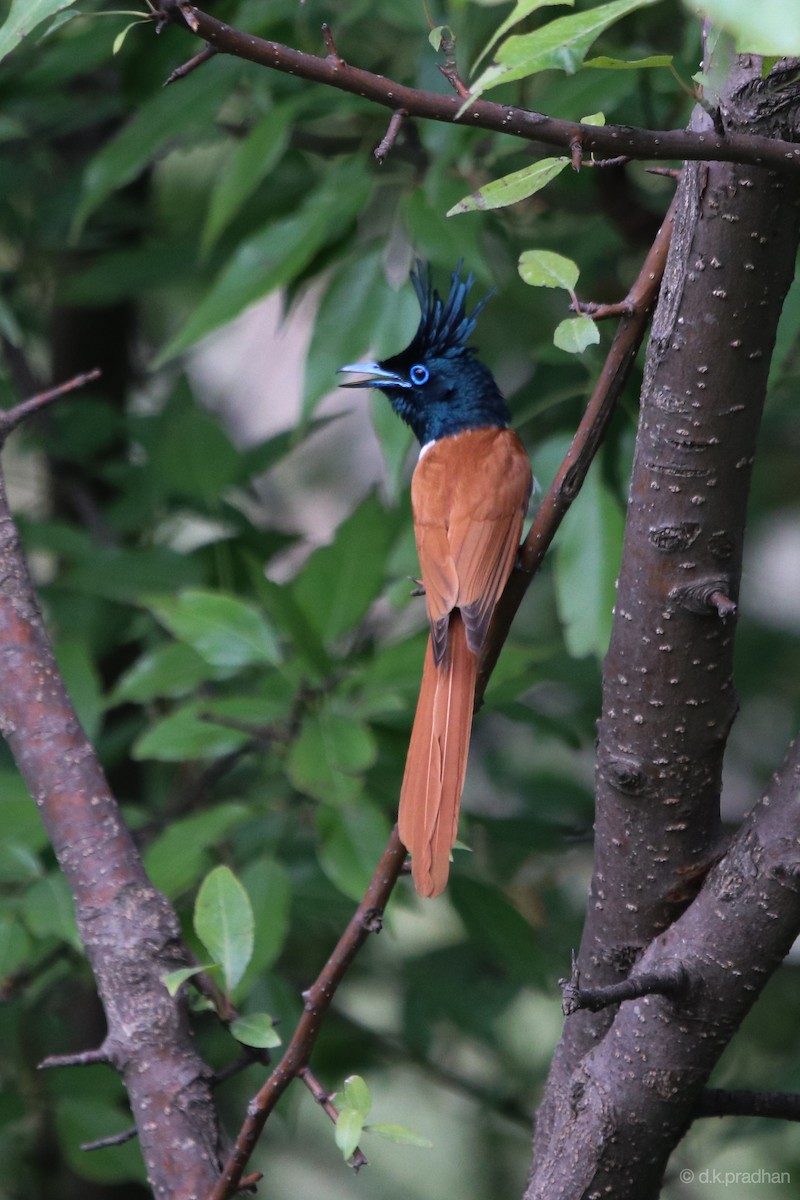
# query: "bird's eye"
{"points": [[419, 374]]}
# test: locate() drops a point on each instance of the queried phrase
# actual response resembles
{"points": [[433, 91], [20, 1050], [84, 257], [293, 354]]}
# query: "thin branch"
{"points": [[725, 1102], [114, 1139], [317, 1000], [333, 53], [672, 981], [186, 68], [449, 68], [572, 472], [86, 1058], [358, 1158], [603, 140], [390, 137], [13, 417]]}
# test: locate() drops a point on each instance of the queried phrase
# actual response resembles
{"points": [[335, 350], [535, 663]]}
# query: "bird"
{"points": [[469, 495]]}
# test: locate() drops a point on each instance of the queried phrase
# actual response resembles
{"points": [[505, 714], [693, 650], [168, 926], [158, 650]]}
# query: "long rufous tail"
{"points": [[437, 760]]}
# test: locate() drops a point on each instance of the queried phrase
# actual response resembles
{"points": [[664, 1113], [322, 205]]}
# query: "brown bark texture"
{"points": [[625, 1082], [130, 932]]}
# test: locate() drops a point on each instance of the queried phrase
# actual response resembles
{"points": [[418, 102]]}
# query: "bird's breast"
{"points": [[481, 473]]}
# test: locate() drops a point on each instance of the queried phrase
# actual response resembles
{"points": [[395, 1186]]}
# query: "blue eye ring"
{"points": [[419, 374]]}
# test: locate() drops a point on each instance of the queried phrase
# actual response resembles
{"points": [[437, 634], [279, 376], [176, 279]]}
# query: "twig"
{"points": [[186, 68], [12, 417], [589, 434], [670, 981], [603, 140], [602, 312], [449, 68], [333, 54], [390, 137], [86, 1058], [114, 1139], [250, 1056], [358, 1158], [725, 1102], [317, 1000]]}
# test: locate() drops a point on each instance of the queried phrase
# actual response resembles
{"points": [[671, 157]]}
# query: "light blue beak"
{"points": [[380, 376]]}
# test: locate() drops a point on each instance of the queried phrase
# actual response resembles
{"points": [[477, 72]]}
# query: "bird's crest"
{"points": [[444, 325]]}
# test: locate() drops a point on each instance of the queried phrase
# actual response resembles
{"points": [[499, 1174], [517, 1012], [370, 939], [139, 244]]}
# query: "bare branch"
{"points": [[588, 436], [114, 1139], [390, 137], [317, 1000], [603, 140], [186, 68], [672, 981], [725, 1102], [13, 417]]}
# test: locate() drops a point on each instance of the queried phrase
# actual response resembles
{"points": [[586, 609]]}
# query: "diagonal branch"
{"points": [[636, 309], [606, 141], [367, 919], [131, 934]]}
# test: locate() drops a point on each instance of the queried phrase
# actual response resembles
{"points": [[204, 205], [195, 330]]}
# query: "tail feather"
{"points": [[437, 760]]}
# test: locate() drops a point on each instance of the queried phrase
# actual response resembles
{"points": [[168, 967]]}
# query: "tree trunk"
{"points": [[668, 697]]}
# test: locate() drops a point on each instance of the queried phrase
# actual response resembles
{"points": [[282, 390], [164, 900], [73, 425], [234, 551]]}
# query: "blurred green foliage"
{"points": [[251, 692]]}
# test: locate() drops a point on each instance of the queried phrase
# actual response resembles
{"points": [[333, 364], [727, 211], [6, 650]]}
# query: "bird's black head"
{"points": [[436, 384]]}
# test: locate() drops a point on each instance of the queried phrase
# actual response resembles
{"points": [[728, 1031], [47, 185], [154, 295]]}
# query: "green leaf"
{"points": [[277, 254], [18, 864], [80, 1119], [576, 333], [186, 734], [119, 40], [543, 268], [356, 1095], [400, 1135], [349, 1127], [602, 63], [178, 857], [268, 886], [171, 670], [251, 161], [20, 817], [771, 27], [223, 920], [24, 16], [192, 457], [597, 118], [340, 581], [560, 45], [498, 928], [352, 839], [435, 36], [357, 311], [222, 629], [331, 752], [587, 561], [127, 575], [510, 189], [15, 946], [164, 116], [49, 911], [175, 979], [256, 1029], [77, 666], [522, 9]]}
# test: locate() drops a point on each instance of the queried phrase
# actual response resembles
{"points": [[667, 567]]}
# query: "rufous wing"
{"points": [[469, 496]]}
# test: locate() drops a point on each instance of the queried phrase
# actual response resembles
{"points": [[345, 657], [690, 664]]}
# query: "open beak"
{"points": [[379, 377]]}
